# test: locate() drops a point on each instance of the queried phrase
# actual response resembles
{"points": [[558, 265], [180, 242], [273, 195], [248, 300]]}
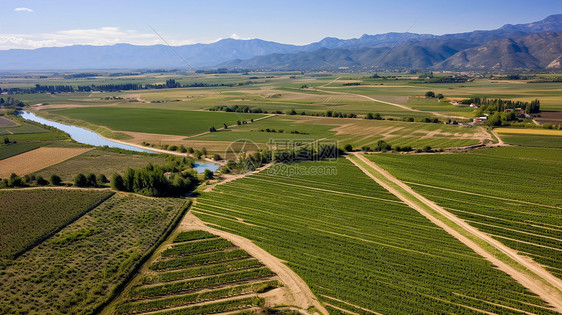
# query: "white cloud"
{"points": [[108, 35], [95, 36], [23, 9]]}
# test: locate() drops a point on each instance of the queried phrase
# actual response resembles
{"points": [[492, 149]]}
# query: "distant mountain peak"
{"points": [[389, 50]]}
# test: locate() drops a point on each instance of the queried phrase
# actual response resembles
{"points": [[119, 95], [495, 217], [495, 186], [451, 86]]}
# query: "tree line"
{"points": [[170, 84], [173, 179]]}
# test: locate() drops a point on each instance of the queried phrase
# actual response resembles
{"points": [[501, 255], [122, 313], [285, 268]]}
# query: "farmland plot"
{"points": [[512, 194], [27, 216], [199, 273], [78, 269], [37, 159], [359, 247]]}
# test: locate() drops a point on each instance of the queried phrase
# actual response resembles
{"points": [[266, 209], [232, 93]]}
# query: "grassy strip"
{"points": [[176, 287], [201, 259], [154, 305], [220, 307], [193, 236], [197, 247], [203, 271]]}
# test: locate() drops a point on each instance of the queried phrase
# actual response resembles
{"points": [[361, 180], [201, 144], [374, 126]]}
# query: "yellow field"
{"points": [[529, 131], [37, 159]]}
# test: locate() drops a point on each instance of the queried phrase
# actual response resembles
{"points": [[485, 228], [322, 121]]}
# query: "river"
{"points": [[89, 137]]}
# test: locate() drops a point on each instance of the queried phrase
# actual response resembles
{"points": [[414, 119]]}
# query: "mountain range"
{"points": [[536, 46]]}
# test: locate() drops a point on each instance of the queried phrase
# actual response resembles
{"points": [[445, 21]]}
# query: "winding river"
{"points": [[89, 137]]}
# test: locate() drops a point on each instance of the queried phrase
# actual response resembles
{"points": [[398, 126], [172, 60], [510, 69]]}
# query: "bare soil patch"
{"points": [[550, 118], [37, 159], [7, 122]]}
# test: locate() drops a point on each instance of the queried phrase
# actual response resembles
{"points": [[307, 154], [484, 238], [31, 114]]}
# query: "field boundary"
{"points": [[530, 274], [47, 235]]}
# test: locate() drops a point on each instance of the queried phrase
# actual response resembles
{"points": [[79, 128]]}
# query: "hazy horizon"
{"points": [[31, 24]]}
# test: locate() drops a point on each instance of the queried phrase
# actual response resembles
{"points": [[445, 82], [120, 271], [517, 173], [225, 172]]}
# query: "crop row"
{"points": [[192, 248], [200, 259], [377, 254], [507, 220], [199, 283], [28, 217], [182, 300], [77, 270], [206, 270], [193, 236]]}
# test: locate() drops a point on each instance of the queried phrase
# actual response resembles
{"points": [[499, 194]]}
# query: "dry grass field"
{"points": [[37, 159], [528, 131], [6, 122]]}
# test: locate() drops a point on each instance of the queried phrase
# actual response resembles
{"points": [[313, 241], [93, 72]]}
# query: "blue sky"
{"points": [[39, 23]]}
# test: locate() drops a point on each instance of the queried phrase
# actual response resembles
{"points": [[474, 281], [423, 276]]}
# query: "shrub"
{"points": [[117, 182], [209, 174], [103, 179], [80, 180], [348, 148], [41, 181], [92, 180], [55, 180]]}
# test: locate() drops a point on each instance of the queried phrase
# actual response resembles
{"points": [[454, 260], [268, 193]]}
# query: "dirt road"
{"points": [[301, 295], [539, 281], [397, 105]]}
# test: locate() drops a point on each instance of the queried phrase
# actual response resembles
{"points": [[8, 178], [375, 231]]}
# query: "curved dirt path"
{"points": [[397, 105], [301, 294], [500, 141], [542, 283]]}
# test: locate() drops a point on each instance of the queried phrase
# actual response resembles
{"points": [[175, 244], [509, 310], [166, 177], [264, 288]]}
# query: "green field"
{"points": [[353, 241], [27, 137], [100, 162], [357, 132], [512, 193], [12, 149], [78, 269], [29, 216], [215, 284], [525, 140], [158, 121], [23, 128], [281, 91]]}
